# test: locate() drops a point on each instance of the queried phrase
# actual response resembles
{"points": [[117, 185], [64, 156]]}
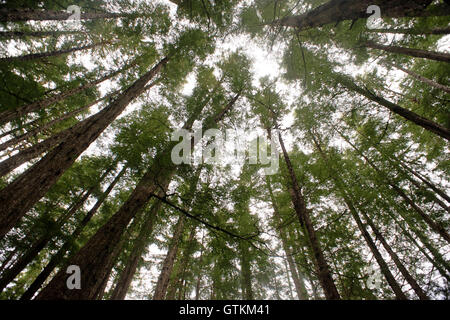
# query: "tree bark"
{"points": [[68, 245], [164, 276], [96, 254], [246, 274], [322, 268], [35, 34], [336, 11], [182, 266], [370, 243], [10, 115], [436, 31], [417, 53], [126, 276], [34, 132], [23, 156], [300, 288], [116, 252], [41, 242], [25, 14], [20, 195], [35, 56], [408, 115]]}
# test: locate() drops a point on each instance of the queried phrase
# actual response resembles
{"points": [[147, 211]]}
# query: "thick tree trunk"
{"points": [[41, 242], [35, 56], [408, 115], [20, 195], [336, 11], [48, 125], [68, 246], [436, 31], [10, 115], [109, 268], [164, 276], [300, 288], [97, 253], [37, 246], [417, 53], [23, 156], [17, 15], [322, 268], [126, 276]]}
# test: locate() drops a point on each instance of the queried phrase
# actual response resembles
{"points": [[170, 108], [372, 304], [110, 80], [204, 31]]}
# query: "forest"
{"points": [[224, 150]]}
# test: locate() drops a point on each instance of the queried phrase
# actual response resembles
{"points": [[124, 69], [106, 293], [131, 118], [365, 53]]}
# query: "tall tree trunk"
{"points": [[36, 34], [199, 276], [426, 182], [376, 253], [25, 14], [417, 53], [96, 254], [246, 273], [300, 288], [182, 263], [35, 56], [438, 262], [49, 124], [20, 195], [102, 289], [439, 229], [336, 11], [10, 115], [322, 268], [41, 242], [435, 31], [408, 115], [23, 156], [370, 243], [423, 79], [404, 169], [409, 278], [68, 245], [126, 276], [164, 276]]}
